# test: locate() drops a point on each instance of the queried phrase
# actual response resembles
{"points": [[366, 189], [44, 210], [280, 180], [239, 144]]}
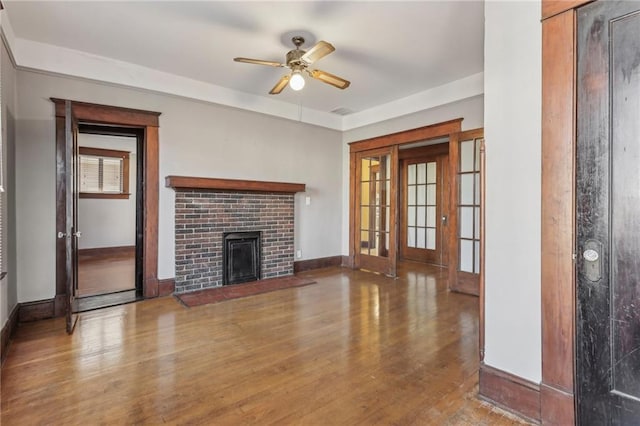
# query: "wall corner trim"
{"points": [[8, 331], [557, 407], [166, 286], [510, 392], [318, 263], [37, 310]]}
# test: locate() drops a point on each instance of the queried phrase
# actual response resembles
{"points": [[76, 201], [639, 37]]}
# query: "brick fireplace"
{"points": [[207, 209]]}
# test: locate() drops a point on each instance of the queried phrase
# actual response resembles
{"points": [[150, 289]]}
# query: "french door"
{"points": [[375, 210], [375, 202], [425, 211], [608, 212], [465, 150]]}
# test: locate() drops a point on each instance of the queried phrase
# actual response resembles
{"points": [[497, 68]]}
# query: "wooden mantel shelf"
{"points": [[232, 184]]}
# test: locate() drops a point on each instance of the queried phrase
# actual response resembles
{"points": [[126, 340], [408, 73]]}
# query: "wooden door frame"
{"points": [[558, 310], [438, 130], [148, 121]]}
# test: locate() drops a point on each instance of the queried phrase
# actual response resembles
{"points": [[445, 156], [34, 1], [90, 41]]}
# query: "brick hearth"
{"points": [[203, 215]]}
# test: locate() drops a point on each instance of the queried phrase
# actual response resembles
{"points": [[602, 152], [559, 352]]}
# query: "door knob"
{"points": [[590, 255], [77, 234], [62, 234], [592, 265]]}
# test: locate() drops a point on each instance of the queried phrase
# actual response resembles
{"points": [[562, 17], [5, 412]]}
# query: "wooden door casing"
{"points": [[147, 122], [557, 401], [390, 141]]}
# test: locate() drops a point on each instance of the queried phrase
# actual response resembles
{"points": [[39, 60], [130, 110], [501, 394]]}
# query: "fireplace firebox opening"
{"points": [[241, 257]]}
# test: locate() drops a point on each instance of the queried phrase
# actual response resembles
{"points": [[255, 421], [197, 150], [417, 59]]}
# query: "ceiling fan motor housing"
{"points": [[293, 57]]}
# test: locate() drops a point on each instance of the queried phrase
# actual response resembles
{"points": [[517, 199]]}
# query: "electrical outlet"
{"points": [[299, 254]]}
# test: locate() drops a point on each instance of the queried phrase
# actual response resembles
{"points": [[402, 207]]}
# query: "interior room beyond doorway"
{"points": [[106, 214]]}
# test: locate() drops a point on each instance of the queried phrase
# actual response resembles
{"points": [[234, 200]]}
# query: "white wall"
{"points": [[8, 286], [513, 153], [470, 109], [107, 222], [196, 139]]}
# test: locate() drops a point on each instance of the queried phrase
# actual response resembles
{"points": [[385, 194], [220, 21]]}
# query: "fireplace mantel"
{"points": [[189, 182]]}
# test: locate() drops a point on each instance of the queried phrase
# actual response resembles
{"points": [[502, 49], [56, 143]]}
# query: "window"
{"points": [[104, 173]]}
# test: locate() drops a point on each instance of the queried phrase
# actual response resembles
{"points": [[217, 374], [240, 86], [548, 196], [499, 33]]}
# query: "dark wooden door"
{"points": [[608, 214], [71, 233]]}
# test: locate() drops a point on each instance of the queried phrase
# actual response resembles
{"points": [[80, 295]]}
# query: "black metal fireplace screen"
{"points": [[241, 257]]}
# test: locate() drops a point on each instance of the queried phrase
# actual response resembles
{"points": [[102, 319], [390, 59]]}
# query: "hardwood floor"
{"points": [[356, 348], [106, 273]]}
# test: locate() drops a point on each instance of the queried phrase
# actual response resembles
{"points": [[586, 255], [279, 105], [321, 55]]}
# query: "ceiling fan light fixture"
{"points": [[297, 81], [299, 60]]}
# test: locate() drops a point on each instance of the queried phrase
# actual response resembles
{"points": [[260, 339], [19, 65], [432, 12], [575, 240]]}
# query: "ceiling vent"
{"points": [[342, 111]]}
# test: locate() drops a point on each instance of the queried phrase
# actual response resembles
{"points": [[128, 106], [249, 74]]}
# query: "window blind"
{"points": [[89, 174], [111, 174], [101, 174]]}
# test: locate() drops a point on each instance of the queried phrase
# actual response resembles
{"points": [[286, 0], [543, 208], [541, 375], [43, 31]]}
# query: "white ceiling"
{"points": [[388, 50]]}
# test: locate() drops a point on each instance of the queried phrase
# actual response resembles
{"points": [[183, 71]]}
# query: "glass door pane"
{"points": [[421, 203], [469, 206], [375, 204]]}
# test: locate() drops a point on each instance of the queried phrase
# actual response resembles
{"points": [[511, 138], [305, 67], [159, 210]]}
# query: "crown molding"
{"points": [[56, 60], [458, 90]]}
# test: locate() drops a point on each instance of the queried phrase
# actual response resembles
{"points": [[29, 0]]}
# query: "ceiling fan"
{"points": [[298, 61]]}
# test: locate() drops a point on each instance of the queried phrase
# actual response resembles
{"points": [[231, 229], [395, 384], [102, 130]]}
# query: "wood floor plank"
{"points": [[106, 273], [357, 348]]}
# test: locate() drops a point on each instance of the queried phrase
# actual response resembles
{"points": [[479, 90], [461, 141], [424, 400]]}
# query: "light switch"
{"points": [[307, 200]]}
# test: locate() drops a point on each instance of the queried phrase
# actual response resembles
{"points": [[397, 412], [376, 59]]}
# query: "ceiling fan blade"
{"points": [[320, 50], [331, 79], [259, 62], [280, 85]]}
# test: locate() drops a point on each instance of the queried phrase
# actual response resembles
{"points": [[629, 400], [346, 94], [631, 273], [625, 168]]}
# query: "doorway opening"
{"points": [[424, 202], [114, 121], [396, 210], [109, 216], [421, 202]]}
